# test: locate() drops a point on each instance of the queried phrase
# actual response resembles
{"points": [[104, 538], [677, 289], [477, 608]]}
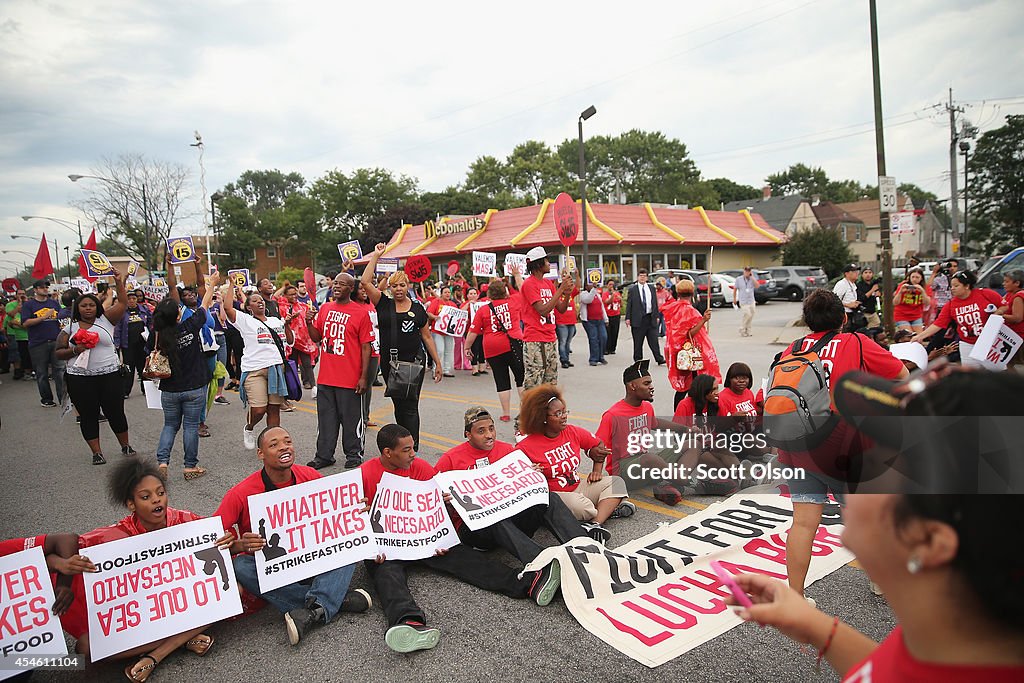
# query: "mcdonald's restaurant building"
{"points": [[622, 238]]}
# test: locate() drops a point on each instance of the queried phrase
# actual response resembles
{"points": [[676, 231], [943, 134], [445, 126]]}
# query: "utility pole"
{"points": [[887, 320], [954, 207]]}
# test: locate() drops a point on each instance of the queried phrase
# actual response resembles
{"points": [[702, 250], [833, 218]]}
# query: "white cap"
{"points": [[911, 351], [536, 254]]}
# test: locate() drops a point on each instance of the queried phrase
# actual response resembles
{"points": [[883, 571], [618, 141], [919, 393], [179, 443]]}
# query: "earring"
{"points": [[914, 564]]}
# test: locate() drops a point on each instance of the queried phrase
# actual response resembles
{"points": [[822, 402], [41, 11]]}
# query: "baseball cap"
{"points": [[850, 267], [536, 254], [474, 414], [41, 283]]}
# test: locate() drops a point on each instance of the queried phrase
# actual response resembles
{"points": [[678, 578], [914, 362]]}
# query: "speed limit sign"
{"points": [[887, 193], [181, 249]]}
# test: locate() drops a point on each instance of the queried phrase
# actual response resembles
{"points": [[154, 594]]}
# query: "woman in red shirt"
{"points": [[496, 329], [304, 351], [613, 307], [474, 349], [444, 342], [970, 307], [685, 326], [555, 445], [1012, 307], [910, 301]]}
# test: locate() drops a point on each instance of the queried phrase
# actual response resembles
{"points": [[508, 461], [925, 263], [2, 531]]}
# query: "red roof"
{"points": [[633, 223]]}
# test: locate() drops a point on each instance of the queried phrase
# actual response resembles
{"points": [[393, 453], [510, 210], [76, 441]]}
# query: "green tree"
{"points": [[822, 247], [799, 179], [456, 202], [729, 191], [486, 176], [349, 201], [996, 188], [381, 228], [534, 172]]}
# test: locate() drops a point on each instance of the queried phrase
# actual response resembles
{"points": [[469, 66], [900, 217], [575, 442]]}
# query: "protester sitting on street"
{"points": [[555, 445], [407, 624], [497, 323], [686, 331], [969, 308], [94, 370], [307, 604], [64, 563]]}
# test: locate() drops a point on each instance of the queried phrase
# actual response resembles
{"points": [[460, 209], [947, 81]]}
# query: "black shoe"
{"points": [[593, 363], [48, 404], [603, 362], [609, 353], [352, 464], [661, 362], [98, 459], [565, 365], [378, 383], [545, 584], [126, 396], [103, 418], [318, 464], [356, 601], [410, 636], [299, 622], [128, 450], [596, 532]]}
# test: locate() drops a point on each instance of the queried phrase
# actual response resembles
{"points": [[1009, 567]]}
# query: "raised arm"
{"points": [[208, 292], [115, 312], [172, 281], [367, 277]]}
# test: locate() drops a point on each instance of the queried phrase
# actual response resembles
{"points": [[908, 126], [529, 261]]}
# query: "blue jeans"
{"points": [[44, 361], [327, 589], [181, 406], [597, 335], [565, 334]]}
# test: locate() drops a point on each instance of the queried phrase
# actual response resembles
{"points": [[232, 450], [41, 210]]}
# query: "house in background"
{"points": [[925, 240], [789, 215], [830, 215]]}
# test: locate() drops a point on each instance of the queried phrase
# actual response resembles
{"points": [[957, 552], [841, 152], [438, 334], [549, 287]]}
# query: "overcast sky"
{"points": [[425, 88]]}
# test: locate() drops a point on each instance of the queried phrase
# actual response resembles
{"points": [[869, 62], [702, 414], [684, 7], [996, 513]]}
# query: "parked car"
{"points": [[725, 283], [991, 274], [766, 288], [794, 282]]}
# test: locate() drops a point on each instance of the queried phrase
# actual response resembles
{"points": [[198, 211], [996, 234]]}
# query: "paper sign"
{"points": [[29, 627], [133, 268], [484, 263], [240, 277], [595, 276], [409, 518], [131, 283], [311, 528], [153, 398], [154, 293], [158, 282], [562, 263], [517, 261], [350, 251], [181, 250], [386, 265], [96, 264], [452, 321], [82, 284], [901, 222], [552, 272], [486, 495], [996, 344], [158, 584]]}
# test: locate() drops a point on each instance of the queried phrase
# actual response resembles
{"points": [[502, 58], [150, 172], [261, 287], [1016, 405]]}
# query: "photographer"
{"points": [[939, 282], [867, 294]]}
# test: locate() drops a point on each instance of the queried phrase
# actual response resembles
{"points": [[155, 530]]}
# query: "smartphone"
{"points": [[726, 578], [102, 287]]}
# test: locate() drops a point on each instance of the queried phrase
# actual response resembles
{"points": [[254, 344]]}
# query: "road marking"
{"points": [[659, 508], [470, 400]]}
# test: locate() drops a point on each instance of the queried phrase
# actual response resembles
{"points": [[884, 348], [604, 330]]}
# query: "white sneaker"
{"points": [[811, 602], [248, 439], [875, 588]]}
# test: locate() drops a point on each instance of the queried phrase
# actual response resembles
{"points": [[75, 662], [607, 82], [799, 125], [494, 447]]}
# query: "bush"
{"points": [[292, 275], [818, 247]]}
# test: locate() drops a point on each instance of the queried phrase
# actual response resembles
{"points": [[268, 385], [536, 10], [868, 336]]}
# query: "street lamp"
{"points": [[584, 115], [74, 227], [965, 147]]}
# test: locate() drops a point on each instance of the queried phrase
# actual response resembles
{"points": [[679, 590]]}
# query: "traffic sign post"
{"points": [[887, 194]]}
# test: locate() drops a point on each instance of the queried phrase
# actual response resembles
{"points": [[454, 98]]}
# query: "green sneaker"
{"points": [[545, 584], [410, 636]]}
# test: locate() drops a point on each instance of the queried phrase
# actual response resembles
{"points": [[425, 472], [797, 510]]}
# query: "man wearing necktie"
{"points": [[642, 318]]}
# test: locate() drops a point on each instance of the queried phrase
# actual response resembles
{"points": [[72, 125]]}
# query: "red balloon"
{"points": [[567, 219], [418, 268]]}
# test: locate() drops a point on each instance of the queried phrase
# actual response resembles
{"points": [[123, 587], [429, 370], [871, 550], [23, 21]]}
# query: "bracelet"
{"points": [[828, 643]]}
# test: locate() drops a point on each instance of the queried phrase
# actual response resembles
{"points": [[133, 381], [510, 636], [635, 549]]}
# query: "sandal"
{"points": [[204, 431], [138, 674], [98, 459], [163, 471], [200, 645], [194, 473]]}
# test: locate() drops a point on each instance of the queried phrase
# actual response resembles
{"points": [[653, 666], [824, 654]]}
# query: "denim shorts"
{"points": [[815, 487], [910, 323]]}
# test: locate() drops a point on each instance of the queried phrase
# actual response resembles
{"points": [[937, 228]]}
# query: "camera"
{"points": [[102, 287]]}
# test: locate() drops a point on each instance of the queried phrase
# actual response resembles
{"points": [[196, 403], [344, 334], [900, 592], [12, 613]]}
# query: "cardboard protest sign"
{"points": [[418, 268], [158, 584], [154, 293], [28, 627], [82, 284], [452, 321], [996, 344], [240, 277], [181, 250], [484, 263], [489, 494], [516, 261], [564, 263], [409, 519], [595, 276], [96, 264], [133, 268], [350, 251], [131, 283], [657, 598], [386, 265], [311, 528]]}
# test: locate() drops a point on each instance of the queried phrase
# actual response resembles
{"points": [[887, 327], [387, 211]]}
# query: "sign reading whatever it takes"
{"points": [[472, 224]]}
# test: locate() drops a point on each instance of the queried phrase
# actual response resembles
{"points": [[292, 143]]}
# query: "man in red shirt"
{"points": [[407, 625], [304, 606], [595, 320], [514, 534], [565, 323], [343, 329], [540, 299]]}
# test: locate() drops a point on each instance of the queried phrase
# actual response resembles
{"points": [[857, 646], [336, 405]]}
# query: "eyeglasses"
{"points": [[560, 413]]}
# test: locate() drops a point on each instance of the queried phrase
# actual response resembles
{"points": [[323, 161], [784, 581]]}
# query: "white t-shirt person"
{"points": [[846, 291], [260, 350]]}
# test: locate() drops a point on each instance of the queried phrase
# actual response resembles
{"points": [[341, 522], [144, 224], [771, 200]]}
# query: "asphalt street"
{"points": [[49, 485]]}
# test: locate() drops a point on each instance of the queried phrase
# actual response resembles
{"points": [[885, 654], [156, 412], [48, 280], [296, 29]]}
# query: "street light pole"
{"points": [[584, 115], [965, 147], [67, 224]]}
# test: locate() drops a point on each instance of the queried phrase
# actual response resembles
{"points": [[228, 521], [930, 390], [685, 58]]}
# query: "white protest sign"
{"points": [[240, 277], [386, 265], [158, 584], [409, 518], [28, 626], [486, 495], [154, 401], [154, 293], [484, 263], [996, 344], [310, 528], [516, 261], [82, 284], [452, 321], [656, 598], [563, 263]]}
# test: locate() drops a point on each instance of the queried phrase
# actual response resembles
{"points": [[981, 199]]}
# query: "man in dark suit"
{"points": [[642, 317]]}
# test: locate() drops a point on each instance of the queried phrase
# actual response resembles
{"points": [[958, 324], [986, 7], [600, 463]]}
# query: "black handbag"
{"points": [[404, 378]]}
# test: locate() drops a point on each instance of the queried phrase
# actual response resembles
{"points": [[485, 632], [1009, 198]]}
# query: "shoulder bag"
{"points": [[158, 366], [291, 369], [516, 344], [689, 358], [405, 378]]}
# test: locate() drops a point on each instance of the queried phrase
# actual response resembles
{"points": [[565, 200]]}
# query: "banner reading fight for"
{"points": [[181, 250], [158, 584], [409, 519], [517, 262], [452, 321], [310, 529], [240, 277], [484, 263], [28, 627], [486, 495], [657, 598], [96, 264], [996, 344]]}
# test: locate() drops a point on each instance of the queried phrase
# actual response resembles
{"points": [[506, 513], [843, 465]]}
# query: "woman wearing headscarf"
{"points": [[686, 330]]}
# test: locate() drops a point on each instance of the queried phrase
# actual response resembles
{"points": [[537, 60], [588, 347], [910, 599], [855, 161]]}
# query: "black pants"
{"points": [[305, 363], [516, 533], [134, 357], [647, 329], [338, 408], [407, 412], [478, 350], [389, 579], [368, 396], [613, 333], [510, 361], [19, 354], [235, 347], [89, 393]]}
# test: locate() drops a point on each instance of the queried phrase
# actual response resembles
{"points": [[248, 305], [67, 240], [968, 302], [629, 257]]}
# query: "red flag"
{"points": [[90, 244], [42, 266]]}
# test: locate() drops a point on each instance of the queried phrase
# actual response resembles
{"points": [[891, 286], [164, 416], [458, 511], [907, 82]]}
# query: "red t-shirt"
{"points": [[345, 328], [371, 312], [969, 313], [234, 508], [496, 332], [910, 304], [559, 457], [1008, 302], [613, 304], [844, 354], [618, 423], [731, 403], [535, 327], [595, 308], [466, 457], [16, 545], [568, 317], [891, 661], [372, 470]]}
